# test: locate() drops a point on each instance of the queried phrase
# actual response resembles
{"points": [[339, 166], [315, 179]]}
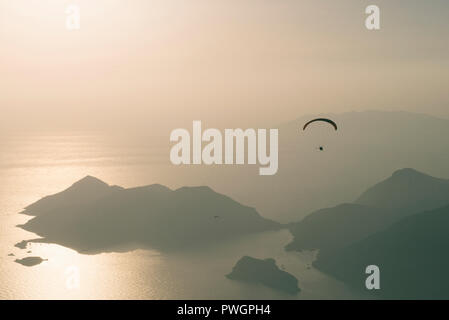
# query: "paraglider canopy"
{"points": [[323, 120]]}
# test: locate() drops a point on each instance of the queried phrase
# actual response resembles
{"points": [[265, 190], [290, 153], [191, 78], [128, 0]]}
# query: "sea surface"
{"points": [[36, 165]]}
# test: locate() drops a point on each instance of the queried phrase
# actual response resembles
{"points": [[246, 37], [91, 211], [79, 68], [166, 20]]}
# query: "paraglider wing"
{"points": [[321, 119]]}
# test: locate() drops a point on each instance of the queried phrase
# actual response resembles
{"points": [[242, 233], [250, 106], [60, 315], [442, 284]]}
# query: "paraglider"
{"points": [[331, 122], [321, 119]]}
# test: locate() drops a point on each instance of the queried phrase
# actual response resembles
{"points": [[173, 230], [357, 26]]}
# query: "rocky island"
{"points": [[265, 272], [30, 261]]}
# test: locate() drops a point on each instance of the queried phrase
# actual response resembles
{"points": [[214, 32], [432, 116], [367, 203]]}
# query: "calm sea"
{"points": [[33, 166]]}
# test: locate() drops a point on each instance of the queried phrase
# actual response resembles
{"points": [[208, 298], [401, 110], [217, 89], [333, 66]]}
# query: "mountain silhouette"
{"points": [[82, 192], [411, 254], [92, 217], [404, 193], [408, 190], [331, 228]]}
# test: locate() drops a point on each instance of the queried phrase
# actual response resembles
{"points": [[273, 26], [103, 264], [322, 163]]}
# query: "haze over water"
{"points": [[33, 166]]}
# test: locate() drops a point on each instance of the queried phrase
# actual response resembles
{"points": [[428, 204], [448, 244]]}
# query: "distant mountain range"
{"points": [[406, 192], [383, 228], [92, 216], [368, 146]]}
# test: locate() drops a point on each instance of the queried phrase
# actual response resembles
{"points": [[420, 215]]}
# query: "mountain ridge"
{"points": [[407, 189], [335, 227], [153, 216]]}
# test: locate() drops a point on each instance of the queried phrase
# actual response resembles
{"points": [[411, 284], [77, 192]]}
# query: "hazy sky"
{"points": [[163, 63]]}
